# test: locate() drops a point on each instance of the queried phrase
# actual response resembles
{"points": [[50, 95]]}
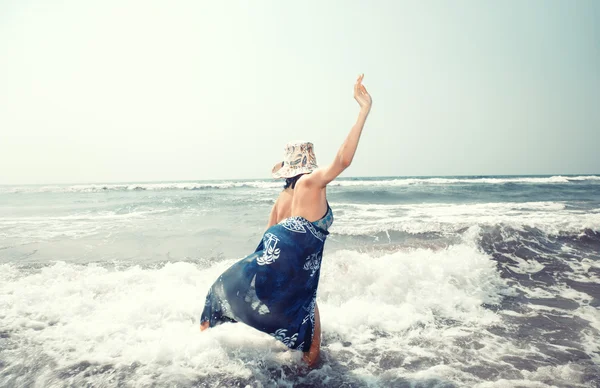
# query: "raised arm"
{"points": [[322, 176]]}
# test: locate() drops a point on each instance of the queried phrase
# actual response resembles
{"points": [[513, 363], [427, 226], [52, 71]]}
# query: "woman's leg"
{"points": [[312, 356]]}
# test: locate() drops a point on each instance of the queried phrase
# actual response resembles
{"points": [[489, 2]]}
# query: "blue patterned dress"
{"points": [[274, 289]]}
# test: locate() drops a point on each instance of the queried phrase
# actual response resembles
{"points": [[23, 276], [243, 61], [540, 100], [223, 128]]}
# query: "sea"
{"points": [[478, 281]]}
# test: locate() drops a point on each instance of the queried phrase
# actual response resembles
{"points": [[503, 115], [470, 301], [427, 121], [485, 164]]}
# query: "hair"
{"points": [[291, 182]]}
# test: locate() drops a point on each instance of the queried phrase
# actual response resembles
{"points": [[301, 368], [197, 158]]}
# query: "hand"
{"points": [[361, 95]]}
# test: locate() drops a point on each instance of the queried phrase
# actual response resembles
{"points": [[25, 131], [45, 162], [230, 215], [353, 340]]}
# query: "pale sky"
{"points": [[110, 91]]}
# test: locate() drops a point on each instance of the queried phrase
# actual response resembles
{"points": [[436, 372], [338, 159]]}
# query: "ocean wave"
{"points": [[351, 219], [391, 182], [550, 217], [466, 180], [35, 229], [421, 316], [96, 188], [149, 317], [89, 216]]}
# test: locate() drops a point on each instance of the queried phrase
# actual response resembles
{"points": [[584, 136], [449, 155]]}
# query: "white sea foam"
{"points": [[150, 316], [466, 180], [401, 290], [270, 184], [91, 188], [28, 229], [428, 303], [551, 217], [77, 314]]}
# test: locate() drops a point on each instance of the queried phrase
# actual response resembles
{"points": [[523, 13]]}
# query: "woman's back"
{"points": [[284, 205], [302, 201]]}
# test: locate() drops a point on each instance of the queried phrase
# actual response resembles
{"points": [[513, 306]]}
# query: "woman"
{"points": [[274, 289]]}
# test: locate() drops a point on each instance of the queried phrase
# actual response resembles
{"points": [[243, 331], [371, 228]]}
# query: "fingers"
{"points": [[359, 82], [359, 88]]}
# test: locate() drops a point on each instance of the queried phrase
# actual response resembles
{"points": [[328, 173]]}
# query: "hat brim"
{"points": [[282, 171]]}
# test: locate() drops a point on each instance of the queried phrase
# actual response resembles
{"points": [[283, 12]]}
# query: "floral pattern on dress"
{"points": [[311, 311], [317, 233], [300, 224], [293, 224], [325, 222], [281, 335], [277, 299], [271, 252], [313, 263]]}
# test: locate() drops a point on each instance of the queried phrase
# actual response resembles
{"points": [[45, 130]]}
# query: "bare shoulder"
{"points": [[317, 179], [311, 185], [311, 198]]}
